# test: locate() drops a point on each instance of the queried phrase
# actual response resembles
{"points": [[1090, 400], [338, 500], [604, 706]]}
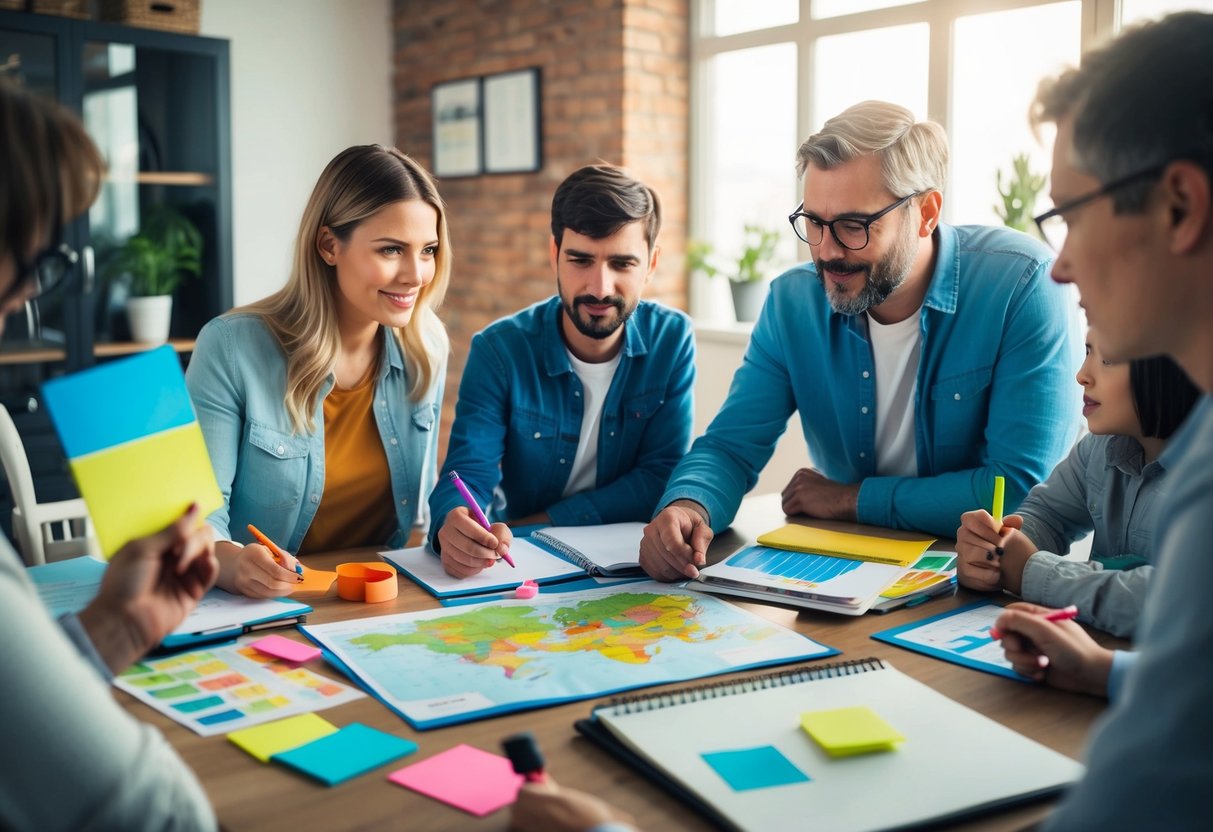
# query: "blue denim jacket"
{"points": [[518, 419], [995, 389], [269, 475]]}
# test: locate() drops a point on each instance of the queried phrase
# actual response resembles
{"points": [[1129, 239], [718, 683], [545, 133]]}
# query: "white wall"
{"points": [[308, 79], [718, 355]]}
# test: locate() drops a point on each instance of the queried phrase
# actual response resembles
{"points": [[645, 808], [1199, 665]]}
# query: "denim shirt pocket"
{"points": [[533, 446], [961, 404], [425, 414], [637, 412], [273, 468]]}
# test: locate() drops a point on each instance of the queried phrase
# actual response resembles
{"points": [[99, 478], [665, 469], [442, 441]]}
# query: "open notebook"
{"points": [[612, 549], [952, 763]]}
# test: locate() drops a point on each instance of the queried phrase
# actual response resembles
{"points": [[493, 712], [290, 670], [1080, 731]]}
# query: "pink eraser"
{"points": [[528, 590]]}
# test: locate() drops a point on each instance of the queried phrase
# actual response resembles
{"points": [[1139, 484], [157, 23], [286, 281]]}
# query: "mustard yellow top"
{"points": [[356, 507]]}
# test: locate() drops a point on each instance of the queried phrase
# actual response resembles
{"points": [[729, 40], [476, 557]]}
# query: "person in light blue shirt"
{"points": [[923, 359], [574, 410], [1132, 188], [319, 404]]}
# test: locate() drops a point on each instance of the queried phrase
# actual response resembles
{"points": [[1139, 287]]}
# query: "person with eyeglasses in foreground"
{"points": [[74, 758], [1132, 182], [924, 359]]}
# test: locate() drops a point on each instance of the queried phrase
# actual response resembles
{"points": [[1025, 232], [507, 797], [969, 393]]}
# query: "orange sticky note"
{"points": [[314, 580]]}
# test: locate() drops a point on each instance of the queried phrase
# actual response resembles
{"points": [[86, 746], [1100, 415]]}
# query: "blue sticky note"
{"points": [[119, 401], [222, 716], [354, 750], [754, 768]]}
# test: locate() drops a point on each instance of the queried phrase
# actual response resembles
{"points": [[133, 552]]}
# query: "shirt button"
{"points": [[315, 498], [394, 442], [537, 434], [863, 410], [956, 396], [576, 392], [382, 403], [866, 374], [862, 455], [404, 502], [612, 433], [562, 460], [281, 450]]}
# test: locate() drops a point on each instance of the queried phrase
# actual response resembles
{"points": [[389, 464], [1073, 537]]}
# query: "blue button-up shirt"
{"points": [[271, 476], [995, 389], [518, 420]]}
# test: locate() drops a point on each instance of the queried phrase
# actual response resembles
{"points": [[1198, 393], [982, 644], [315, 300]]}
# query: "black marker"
{"points": [[525, 756]]}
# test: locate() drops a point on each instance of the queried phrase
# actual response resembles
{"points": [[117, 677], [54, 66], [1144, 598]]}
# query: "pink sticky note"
{"points": [[528, 589], [464, 777], [285, 648]]}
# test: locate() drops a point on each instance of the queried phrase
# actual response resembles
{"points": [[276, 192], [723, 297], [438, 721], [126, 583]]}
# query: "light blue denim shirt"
{"points": [[1148, 762], [271, 476], [995, 389], [1102, 486], [518, 420]]}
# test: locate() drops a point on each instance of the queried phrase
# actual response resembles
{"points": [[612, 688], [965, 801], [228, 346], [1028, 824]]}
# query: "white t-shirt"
{"points": [[896, 350], [595, 381]]}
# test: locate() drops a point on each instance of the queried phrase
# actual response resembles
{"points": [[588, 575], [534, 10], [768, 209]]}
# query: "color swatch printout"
{"points": [[961, 636], [225, 688]]}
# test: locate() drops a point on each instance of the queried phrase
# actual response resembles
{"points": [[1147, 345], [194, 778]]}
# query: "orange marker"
{"points": [[278, 554]]}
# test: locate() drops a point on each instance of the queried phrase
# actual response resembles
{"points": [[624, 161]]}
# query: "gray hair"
{"points": [[1144, 99], [913, 155]]}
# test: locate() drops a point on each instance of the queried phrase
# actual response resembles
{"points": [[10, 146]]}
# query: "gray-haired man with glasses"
{"points": [[923, 358]]}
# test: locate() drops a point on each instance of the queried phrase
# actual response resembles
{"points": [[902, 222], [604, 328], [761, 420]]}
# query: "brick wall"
{"points": [[614, 87]]}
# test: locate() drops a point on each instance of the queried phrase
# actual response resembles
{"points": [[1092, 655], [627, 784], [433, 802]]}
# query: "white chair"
{"points": [[44, 531]]}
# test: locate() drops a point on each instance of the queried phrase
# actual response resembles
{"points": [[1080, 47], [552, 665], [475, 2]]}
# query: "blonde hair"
{"points": [[913, 154], [50, 170], [302, 315]]}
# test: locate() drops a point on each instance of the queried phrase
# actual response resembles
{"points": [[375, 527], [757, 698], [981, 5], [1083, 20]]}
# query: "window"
{"points": [[768, 73]]}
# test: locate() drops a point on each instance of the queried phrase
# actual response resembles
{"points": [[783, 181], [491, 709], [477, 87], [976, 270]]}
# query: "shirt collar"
{"points": [[1125, 454], [945, 280], [555, 356]]}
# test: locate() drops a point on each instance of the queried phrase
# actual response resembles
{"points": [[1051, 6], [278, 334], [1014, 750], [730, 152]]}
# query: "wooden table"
{"points": [[249, 795]]}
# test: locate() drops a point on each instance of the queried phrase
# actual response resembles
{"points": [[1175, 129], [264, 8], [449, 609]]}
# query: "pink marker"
{"points": [[477, 514], [1063, 614]]}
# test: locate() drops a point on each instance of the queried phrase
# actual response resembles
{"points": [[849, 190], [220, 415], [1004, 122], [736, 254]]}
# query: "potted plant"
{"points": [[167, 248], [1019, 196], [747, 274]]}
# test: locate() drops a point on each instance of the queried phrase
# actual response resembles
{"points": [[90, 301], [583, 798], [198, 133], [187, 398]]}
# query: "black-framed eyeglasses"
{"points": [[850, 232], [46, 272], [1052, 224]]}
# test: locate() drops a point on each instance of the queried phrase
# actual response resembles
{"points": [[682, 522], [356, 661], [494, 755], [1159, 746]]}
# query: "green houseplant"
{"points": [[1019, 195], [167, 249], [747, 273]]}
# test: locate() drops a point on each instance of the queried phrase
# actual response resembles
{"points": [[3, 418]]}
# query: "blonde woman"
{"points": [[320, 403]]}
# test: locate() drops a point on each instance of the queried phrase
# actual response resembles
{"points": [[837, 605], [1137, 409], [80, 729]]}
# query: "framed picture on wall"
{"points": [[512, 122], [457, 128]]}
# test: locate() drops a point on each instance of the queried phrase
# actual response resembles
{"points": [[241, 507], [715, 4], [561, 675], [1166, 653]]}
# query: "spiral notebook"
{"points": [[953, 763], [612, 549]]}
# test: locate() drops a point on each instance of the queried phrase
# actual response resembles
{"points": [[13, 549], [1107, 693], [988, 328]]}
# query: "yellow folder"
{"points": [[798, 538]]}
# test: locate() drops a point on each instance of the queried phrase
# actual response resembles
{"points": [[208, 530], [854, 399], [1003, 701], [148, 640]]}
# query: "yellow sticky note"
{"points": [[846, 731], [264, 741], [798, 538], [138, 488]]}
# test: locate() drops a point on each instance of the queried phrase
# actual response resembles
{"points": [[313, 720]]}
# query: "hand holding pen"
{"points": [[1049, 646], [467, 541], [264, 570]]}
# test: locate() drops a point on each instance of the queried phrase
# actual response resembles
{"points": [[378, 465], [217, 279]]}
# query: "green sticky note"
{"points": [[264, 741], [846, 731]]}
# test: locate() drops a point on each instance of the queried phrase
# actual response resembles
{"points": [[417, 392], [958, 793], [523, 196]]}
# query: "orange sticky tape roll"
{"points": [[370, 582]]}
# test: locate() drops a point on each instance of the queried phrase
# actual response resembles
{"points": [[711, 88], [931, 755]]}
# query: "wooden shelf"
{"points": [[43, 354], [165, 177]]}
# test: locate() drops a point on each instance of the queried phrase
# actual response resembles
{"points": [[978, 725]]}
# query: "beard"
{"points": [[597, 327], [881, 279]]}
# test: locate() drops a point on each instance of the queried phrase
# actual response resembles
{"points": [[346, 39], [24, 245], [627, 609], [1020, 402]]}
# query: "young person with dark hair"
{"points": [[1110, 484], [574, 410]]}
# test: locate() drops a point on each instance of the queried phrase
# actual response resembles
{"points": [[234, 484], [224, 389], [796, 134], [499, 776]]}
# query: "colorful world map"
{"points": [[439, 666]]}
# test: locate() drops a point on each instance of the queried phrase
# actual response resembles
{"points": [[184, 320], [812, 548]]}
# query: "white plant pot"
{"points": [[149, 318], [748, 298]]}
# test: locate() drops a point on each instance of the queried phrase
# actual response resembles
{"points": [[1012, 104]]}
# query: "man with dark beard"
{"points": [[924, 359], [574, 410]]}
